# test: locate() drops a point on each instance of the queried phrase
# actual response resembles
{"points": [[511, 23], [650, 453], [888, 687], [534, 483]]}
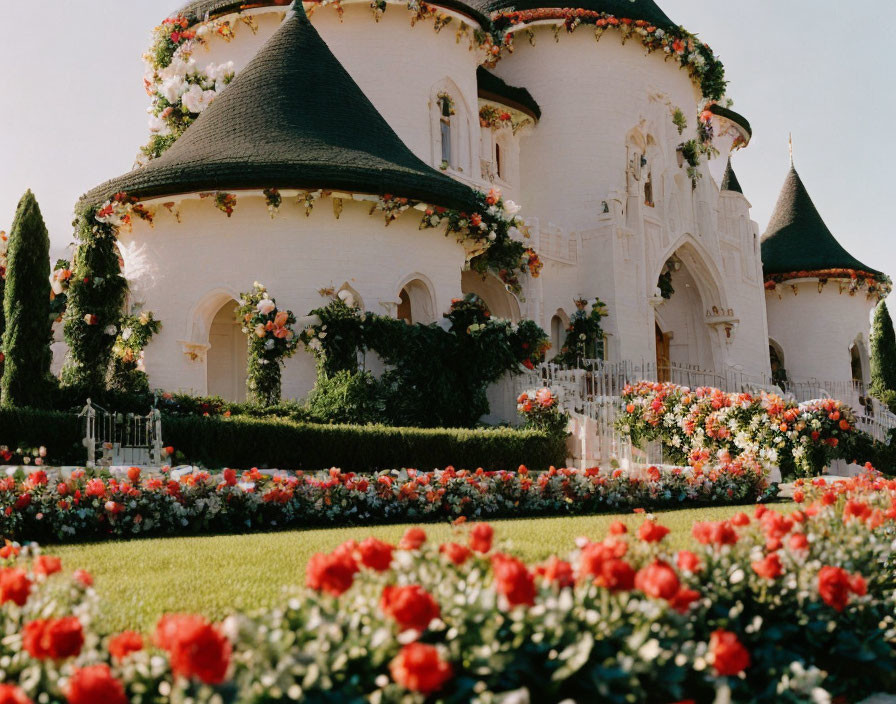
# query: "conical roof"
{"points": [[797, 239], [646, 10], [292, 118], [729, 180]]}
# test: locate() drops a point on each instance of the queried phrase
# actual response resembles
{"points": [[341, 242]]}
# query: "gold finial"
{"points": [[790, 140]]}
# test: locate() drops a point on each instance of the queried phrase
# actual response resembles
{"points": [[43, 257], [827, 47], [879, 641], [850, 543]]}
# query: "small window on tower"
{"points": [[445, 111], [499, 162], [648, 190]]}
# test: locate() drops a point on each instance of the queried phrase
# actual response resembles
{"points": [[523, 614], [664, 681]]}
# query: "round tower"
{"points": [[819, 297]]}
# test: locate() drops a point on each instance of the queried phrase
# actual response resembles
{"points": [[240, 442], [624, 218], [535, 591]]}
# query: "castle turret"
{"points": [[819, 296]]}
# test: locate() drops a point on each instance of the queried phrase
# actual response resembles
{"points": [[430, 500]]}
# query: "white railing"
{"points": [[115, 439], [593, 392]]}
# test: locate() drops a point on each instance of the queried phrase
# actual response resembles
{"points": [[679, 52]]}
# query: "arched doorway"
{"points": [[227, 355], [499, 301], [415, 303], [682, 334], [776, 362]]}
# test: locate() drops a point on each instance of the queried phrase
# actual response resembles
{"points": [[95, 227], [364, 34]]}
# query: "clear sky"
{"points": [[72, 104]]}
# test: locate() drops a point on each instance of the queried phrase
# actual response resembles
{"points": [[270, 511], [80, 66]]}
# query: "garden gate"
{"points": [[114, 439]]}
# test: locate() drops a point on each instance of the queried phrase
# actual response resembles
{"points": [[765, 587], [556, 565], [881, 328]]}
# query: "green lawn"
{"points": [[141, 579]]}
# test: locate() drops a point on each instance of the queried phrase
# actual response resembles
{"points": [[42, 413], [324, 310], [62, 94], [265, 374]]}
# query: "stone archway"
{"points": [[226, 359], [415, 301], [499, 301]]}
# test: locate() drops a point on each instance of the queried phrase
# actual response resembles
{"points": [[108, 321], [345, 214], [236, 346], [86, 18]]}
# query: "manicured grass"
{"points": [[141, 579]]}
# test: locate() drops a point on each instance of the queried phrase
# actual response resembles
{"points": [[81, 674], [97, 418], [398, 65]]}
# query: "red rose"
{"points": [[616, 575], [715, 533], [657, 580], [10, 694], [455, 552], [481, 537], [134, 474], [229, 477], [729, 656], [333, 573], [618, 528], [376, 554], [411, 606], [688, 561], [799, 541], [54, 639], [858, 585], [651, 532], [419, 668], [46, 565], [95, 685], [682, 601], [95, 487], [769, 567], [412, 539], [14, 585], [740, 519], [23, 501], [124, 644], [799, 496], [513, 580], [83, 577], [556, 571], [834, 587], [197, 648]]}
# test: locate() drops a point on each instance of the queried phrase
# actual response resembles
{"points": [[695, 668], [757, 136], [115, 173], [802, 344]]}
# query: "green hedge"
{"points": [[242, 442], [61, 433], [247, 442]]}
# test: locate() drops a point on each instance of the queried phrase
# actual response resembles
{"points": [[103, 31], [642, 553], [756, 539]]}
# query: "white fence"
{"points": [[592, 394], [115, 439]]}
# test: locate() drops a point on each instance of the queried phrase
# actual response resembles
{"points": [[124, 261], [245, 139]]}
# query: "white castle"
{"points": [[617, 150]]}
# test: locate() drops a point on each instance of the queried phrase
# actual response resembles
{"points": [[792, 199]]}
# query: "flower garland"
{"points": [[225, 202], [60, 281], [676, 43], [495, 118], [726, 619], [271, 340], [87, 505], [706, 424], [584, 334], [875, 285]]}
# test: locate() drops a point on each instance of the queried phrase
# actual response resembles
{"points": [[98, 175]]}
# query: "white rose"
{"points": [[157, 125], [511, 207], [265, 306], [173, 88], [196, 100], [110, 330]]}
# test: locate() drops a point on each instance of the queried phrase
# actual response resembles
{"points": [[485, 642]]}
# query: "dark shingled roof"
{"points": [[797, 238], [493, 88], [198, 10], [733, 116], [729, 180], [292, 118], [633, 9]]}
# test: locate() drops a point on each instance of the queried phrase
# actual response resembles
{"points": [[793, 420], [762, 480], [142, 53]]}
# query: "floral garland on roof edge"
{"points": [[272, 339], [879, 285], [676, 43]]}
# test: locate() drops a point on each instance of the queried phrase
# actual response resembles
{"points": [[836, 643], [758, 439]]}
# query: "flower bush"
{"points": [[91, 505], [770, 608], [128, 373], [271, 340], [584, 335], [705, 424], [541, 410]]}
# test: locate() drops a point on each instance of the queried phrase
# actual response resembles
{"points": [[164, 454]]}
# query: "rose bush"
{"points": [[87, 506], [621, 619], [706, 424]]}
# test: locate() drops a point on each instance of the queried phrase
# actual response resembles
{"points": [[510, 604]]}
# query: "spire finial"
{"points": [[790, 141]]}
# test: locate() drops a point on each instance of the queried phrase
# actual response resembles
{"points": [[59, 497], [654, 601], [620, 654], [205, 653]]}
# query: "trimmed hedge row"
{"points": [[241, 443], [248, 442]]}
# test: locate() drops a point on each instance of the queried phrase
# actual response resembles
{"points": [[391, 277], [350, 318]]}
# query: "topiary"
{"points": [[26, 303], [883, 354]]}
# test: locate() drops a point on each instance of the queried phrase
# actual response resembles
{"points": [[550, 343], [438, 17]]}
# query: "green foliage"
{"points": [[248, 442], [61, 433], [127, 373], [584, 335], [345, 397], [95, 300], [26, 304], [883, 355], [271, 340], [337, 338]]}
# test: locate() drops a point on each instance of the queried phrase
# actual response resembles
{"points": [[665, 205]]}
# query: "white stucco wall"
{"points": [[815, 330], [189, 269]]}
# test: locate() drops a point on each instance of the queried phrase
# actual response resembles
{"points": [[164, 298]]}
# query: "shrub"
{"points": [[245, 442], [26, 303], [345, 397], [883, 355], [30, 428]]}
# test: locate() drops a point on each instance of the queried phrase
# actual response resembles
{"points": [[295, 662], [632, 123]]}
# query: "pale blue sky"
{"points": [[73, 105]]}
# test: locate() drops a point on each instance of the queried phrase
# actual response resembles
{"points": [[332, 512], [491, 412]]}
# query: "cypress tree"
{"points": [[26, 304], [883, 353]]}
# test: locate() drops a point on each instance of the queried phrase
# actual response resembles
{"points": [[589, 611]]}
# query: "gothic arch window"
{"points": [[451, 128], [415, 302], [446, 110]]}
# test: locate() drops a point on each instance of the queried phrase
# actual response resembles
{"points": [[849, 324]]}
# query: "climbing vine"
{"points": [[271, 341], [584, 334], [128, 372]]}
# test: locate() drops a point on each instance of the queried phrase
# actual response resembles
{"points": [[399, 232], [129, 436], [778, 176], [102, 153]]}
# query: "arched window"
{"points": [[415, 303], [776, 360], [446, 110], [499, 162], [648, 190], [855, 364]]}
